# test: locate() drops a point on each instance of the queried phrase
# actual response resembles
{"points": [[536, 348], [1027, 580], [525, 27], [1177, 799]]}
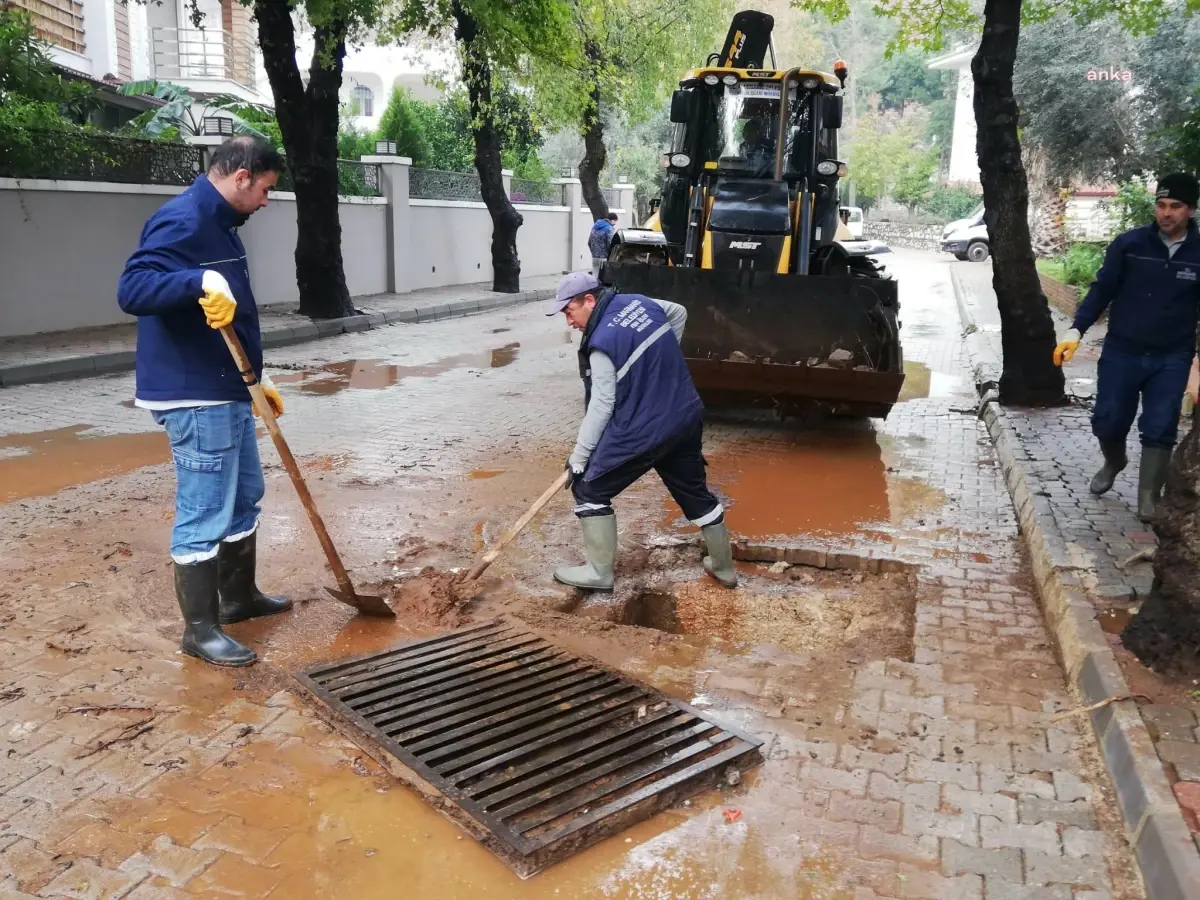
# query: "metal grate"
{"points": [[541, 753]]}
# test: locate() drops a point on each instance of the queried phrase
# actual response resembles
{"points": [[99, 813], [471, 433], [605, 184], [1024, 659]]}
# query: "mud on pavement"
{"points": [[897, 668]]}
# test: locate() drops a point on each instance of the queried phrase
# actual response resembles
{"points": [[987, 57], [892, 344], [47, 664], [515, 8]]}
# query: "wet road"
{"points": [[906, 716]]}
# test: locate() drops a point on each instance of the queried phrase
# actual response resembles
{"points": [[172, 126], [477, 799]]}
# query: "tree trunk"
{"points": [[1165, 633], [595, 155], [477, 73], [308, 122], [1030, 377]]}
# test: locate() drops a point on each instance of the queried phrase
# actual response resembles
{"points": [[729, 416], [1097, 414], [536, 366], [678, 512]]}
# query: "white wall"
{"points": [[451, 244], [270, 240], [65, 245]]}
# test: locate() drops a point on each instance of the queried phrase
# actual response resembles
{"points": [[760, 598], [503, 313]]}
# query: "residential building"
{"points": [[124, 40]]}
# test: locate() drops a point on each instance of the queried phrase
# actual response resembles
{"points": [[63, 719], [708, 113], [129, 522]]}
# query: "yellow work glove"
{"points": [[1067, 345], [218, 303], [273, 396]]}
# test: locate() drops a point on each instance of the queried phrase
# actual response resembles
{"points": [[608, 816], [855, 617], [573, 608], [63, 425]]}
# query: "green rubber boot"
{"points": [[1151, 478], [1114, 461], [600, 548], [719, 562]]}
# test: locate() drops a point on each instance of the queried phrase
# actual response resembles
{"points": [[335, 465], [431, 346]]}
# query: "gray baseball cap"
{"points": [[572, 285]]}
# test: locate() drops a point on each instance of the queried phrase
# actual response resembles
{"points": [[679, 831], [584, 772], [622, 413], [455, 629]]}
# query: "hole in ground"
{"points": [[802, 609]]}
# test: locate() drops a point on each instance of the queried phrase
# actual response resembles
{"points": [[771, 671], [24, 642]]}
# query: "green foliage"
{"points": [[178, 111], [905, 78], [885, 151], [353, 143], [951, 202], [1081, 263], [913, 182], [1184, 140], [1132, 207], [402, 122], [27, 75]]}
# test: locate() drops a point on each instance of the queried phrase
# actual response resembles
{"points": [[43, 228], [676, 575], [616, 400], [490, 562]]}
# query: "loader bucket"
{"points": [[763, 340]]}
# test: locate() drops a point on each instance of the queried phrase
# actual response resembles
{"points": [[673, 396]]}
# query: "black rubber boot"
{"points": [[1151, 478], [1114, 461], [240, 597], [196, 590]]}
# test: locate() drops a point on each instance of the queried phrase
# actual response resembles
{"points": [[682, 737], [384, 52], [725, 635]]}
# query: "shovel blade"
{"points": [[366, 604]]}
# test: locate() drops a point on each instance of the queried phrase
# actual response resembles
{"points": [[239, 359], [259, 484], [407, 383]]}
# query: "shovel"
{"points": [[488, 558], [371, 606]]}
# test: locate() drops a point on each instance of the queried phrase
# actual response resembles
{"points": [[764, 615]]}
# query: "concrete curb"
{"points": [[1166, 853], [288, 335]]}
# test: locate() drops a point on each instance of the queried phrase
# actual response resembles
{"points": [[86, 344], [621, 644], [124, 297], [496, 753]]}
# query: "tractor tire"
{"points": [[978, 251]]}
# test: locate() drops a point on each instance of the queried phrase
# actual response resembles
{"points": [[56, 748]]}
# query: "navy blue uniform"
{"points": [[1153, 303]]}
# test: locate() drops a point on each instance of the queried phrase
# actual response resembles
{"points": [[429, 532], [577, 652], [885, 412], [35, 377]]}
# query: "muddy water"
{"points": [[376, 374], [920, 381], [45, 462], [822, 483]]}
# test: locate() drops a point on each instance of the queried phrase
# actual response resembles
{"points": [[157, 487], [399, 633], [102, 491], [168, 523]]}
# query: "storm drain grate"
{"points": [[544, 752]]}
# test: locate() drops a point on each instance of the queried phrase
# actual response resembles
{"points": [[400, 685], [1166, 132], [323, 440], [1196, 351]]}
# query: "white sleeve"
{"points": [[599, 411], [676, 317]]}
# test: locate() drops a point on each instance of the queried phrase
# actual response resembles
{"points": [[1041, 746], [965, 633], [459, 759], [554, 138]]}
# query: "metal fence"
{"points": [[540, 192], [432, 184], [85, 156], [202, 54], [355, 179]]}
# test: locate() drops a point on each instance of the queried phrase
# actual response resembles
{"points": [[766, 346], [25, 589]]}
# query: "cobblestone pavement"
{"points": [[1099, 534], [934, 767]]}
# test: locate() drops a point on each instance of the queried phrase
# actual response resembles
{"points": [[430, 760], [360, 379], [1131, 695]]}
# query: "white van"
{"points": [[967, 238], [852, 217]]}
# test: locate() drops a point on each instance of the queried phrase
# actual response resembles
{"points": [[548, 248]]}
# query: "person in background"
{"points": [[1150, 285], [188, 278], [600, 240], [642, 413]]}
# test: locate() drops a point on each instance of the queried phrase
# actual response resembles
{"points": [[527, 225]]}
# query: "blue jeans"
{"points": [[1159, 378], [219, 479]]}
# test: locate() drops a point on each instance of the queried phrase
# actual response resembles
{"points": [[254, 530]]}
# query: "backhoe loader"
{"points": [[786, 311]]}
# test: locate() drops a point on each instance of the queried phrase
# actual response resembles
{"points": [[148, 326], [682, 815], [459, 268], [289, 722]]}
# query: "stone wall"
{"points": [[1063, 297], [895, 234]]}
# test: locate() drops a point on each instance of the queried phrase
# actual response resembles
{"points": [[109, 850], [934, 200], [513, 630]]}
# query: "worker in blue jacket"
{"points": [[642, 413], [1150, 285], [188, 278]]}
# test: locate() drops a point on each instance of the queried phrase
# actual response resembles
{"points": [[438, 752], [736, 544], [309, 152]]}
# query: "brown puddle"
{"points": [[485, 473], [376, 374], [64, 457], [829, 483], [1113, 621]]}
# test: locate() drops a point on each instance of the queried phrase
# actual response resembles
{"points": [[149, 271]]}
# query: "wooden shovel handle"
{"points": [[259, 396], [490, 557]]}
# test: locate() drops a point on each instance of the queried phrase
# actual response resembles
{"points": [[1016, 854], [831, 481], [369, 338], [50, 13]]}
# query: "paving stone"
{"points": [[84, 880], [925, 794], [892, 764], [30, 866], [998, 805], [166, 859], [960, 859], [921, 884], [962, 774], [1078, 813], [1169, 723], [1042, 838], [1183, 755], [853, 783], [235, 836], [1079, 842], [1042, 868], [232, 875], [962, 827], [884, 814], [875, 843], [1069, 787], [1005, 890]]}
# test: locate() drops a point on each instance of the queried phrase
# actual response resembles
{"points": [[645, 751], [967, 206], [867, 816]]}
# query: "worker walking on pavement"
{"points": [[642, 413], [188, 277], [600, 240], [1150, 285]]}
